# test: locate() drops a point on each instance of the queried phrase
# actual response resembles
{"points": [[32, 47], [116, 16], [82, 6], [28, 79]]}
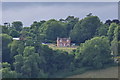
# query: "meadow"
{"points": [[67, 49], [111, 72]]}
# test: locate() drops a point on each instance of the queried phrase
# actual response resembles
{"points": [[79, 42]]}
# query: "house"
{"points": [[63, 42]]}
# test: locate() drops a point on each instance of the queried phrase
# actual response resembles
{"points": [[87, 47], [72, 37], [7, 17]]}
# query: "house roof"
{"points": [[63, 39], [16, 38]]}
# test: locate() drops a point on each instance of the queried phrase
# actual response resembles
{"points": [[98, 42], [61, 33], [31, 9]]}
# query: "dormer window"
{"points": [[60, 40], [67, 40]]}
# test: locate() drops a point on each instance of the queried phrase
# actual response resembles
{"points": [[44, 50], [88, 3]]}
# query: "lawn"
{"points": [[68, 49], [111, 72]]}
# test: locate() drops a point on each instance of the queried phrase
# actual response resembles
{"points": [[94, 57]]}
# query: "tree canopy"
{"points": [[94, 52], [31, 57], [85, 29]]}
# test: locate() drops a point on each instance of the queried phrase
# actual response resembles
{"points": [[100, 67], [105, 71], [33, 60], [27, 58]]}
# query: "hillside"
{"points": [[111, 72]]}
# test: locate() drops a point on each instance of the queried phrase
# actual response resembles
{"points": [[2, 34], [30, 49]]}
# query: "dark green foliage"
{"points": [[28, 63], [53, 29], [7, 72], [28, 58], [4, 29], [111, 31], [115, 43], [108, 22], [16, 47], [85, 29], [62, 61], [71, 21], [18, 63], [13, 49], [14, 33], [36, 24], [102, 30], [21, 47], [6, 39], [17, 25], [94, 52]]}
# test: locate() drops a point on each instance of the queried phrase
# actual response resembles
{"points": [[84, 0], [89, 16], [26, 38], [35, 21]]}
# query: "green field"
{"points": [[68, 49], [111, 72]]}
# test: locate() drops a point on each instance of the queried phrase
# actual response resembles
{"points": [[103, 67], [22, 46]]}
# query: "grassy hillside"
{"points": [[68, 49], [111, 72]]}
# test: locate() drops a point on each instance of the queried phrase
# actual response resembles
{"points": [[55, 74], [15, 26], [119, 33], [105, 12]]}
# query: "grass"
{"points": [[88, 72], [68, 49], [111, 72], [65, 74]]}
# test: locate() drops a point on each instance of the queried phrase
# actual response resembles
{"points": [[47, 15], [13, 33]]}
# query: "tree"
{"points": [[110, 32], [102, 30], [7, 72], [13, 46], [108, 22], [4, 29], [116, 21], [28, 63], [70, 23], [17, 25], [53, 29], [29, 41], [36, 24], [21, 47], [14, 33], [85, 29], [94, 52], [6, 39], [61, 61], [115, 43], [19, 60]]}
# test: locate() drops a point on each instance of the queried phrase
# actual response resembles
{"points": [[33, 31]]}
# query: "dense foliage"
{"points": [[29, 58], [94, 52], [85, 29]]}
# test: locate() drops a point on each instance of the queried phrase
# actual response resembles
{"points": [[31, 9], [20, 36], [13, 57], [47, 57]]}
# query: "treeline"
{"points": [[28, 58]]}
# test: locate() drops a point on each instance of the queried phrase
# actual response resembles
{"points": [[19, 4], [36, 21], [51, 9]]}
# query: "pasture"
{"points": [[68, 49], [111, 72]]}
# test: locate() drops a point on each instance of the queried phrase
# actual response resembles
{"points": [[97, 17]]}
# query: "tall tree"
{"points": [[4, 29], [17, 25], [95, 52], [28, 63], [85, 29], [18, 63], [53, 29], [110, 32], [7, 72], [14, 33], [115, 43], [14, 46], [70, 23], [102, 30], [6, 40]]}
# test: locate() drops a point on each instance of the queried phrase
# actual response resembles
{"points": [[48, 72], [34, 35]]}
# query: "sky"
{"points": [[27, 12]]}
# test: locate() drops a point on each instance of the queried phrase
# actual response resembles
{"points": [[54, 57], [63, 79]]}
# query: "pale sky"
{"points": [[27, 12]]}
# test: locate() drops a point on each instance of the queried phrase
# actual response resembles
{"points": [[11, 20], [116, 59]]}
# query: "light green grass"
{"points": [[68, 49], [110, 72]]}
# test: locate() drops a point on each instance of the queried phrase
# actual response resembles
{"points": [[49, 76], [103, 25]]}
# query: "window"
{"points": [[60, 40], [67, 40]]}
